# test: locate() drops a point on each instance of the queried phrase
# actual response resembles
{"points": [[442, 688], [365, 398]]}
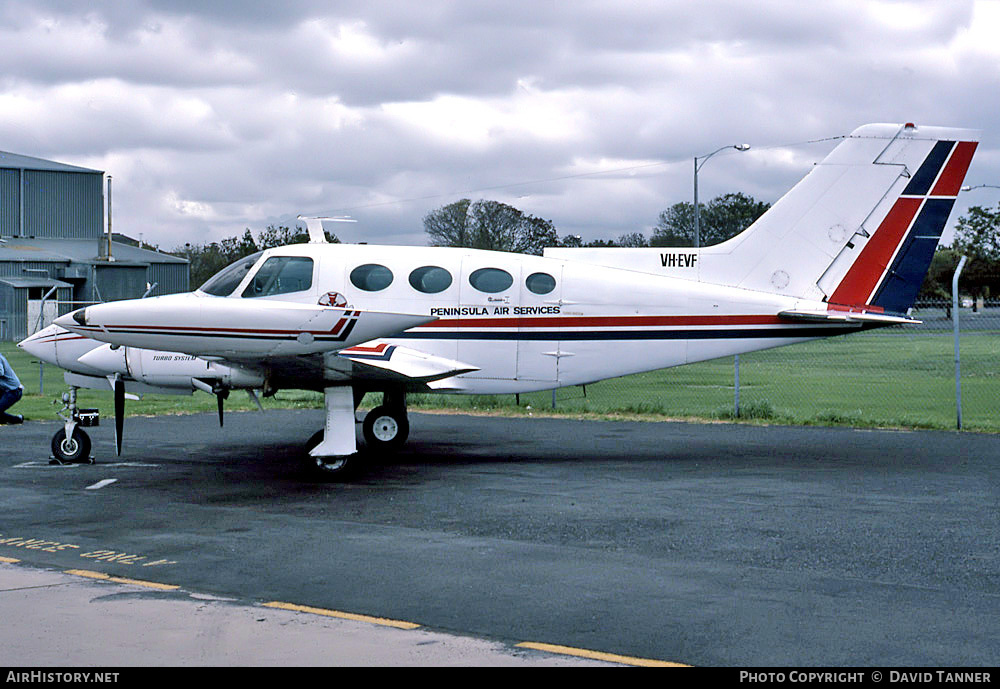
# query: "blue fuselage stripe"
{"points": [[604, 335]]}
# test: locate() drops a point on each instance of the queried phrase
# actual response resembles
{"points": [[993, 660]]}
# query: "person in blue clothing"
{"points": [[10, 392]]}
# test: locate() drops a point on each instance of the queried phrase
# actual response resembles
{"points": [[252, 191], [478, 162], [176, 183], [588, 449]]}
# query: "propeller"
{"points": [[220, 397], [216, 388], [119, 412]]}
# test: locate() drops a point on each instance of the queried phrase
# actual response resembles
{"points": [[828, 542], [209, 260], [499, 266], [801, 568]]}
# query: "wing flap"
{"points": [[384, 360]]}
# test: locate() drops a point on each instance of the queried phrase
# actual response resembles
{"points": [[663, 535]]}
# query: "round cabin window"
{"points": [[540, 283], [491, 280], [430, 279], [371, 277]]}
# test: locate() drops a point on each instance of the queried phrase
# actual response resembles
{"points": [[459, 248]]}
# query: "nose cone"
{"points": [[71, 320], [43, 343], [56, 345]]}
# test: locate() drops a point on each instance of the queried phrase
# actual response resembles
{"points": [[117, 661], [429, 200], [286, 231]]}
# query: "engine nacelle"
{"points": [[237, 377], [169, 369], [177, 370]]}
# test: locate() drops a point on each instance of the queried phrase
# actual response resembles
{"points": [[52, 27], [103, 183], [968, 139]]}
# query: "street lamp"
{"points": [[979, 186], [697, 166]]}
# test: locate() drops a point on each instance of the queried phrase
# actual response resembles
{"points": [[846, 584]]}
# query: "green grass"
{"points": [[868, 380]]}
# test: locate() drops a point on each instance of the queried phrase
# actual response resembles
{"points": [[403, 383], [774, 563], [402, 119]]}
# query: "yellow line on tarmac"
{"points": [[399, 624], [598, 655], [10, 560], [121, 580]]}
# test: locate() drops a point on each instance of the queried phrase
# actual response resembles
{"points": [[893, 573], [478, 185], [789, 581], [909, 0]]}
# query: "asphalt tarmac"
{"points": [[710, 545]]}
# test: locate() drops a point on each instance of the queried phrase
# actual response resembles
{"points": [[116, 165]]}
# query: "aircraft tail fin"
{"points": [[857, 232]]}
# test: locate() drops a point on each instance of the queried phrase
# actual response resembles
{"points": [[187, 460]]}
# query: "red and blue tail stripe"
{"points": [[892, 265]]}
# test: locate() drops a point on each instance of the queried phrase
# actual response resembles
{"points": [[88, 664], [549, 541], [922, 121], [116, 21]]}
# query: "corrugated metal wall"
{"points": [[120, 282], [66, 204], [6, 309], [15, 269], [15, 312], [62, 204], [171, 277], [10, 202]]}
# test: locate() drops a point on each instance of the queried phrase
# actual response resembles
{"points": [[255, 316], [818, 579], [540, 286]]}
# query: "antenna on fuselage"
{"points": [[315, 226]]}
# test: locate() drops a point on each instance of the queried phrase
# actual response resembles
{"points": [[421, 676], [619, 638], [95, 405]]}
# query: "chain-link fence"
{"points": [[897, 376]]}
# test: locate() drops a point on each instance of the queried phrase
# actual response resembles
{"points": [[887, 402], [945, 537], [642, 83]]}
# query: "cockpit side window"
{"points": [[226, 280], [281, 275]]}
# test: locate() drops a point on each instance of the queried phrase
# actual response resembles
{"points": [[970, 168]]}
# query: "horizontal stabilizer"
{"points": [[847, 317]]}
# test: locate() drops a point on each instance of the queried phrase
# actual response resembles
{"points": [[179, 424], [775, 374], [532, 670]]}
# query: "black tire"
{"points": [[72, 450], [330, 468], [385, 429]]}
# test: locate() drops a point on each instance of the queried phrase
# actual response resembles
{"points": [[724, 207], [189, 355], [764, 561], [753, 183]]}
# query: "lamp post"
{"points": [[697, 166]]}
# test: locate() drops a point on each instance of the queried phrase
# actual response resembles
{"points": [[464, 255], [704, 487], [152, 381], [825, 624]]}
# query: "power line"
{"points": [[579, 175]]}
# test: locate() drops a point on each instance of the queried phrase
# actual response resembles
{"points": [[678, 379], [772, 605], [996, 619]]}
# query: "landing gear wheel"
{"points": [[72, 450], [385, 429], [330, 468]]}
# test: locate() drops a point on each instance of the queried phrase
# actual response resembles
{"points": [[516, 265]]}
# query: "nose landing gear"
{"points": [[71, 444]]}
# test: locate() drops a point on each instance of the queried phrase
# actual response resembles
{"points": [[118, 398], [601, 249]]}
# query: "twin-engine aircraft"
{"points": [[845, 250]]}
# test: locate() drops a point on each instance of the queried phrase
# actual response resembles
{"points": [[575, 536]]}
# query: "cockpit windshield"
{"points": [[281, 275], [228, 279]]}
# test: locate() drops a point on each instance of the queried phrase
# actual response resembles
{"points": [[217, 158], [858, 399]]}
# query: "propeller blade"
{"points": [[253, 396], [221, 396], [119, 413]]}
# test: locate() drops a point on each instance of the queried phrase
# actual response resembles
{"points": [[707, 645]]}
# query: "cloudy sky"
{"points": [[213, 117]]}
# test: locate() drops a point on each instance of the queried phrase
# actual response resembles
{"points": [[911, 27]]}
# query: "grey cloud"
{"points": [[215, 116]]}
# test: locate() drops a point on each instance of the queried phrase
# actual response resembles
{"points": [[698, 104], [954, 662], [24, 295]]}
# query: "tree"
{"points": [[937, 282], [449, 225], [632, 240], [722, 218], [208, 259], [675, 226], [489, 225], [977, 235]]}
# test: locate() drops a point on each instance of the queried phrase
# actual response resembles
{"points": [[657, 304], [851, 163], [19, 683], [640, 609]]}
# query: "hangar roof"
{"points": [[33, 282], [78, 251], [16, 160]]}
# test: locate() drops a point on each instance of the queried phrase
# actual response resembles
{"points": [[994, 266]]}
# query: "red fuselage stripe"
{"points": [[602, 321]]}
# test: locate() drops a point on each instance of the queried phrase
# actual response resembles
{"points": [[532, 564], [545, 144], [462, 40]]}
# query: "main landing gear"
{"points": [[386, 427], [333, 452], [71, 444]]}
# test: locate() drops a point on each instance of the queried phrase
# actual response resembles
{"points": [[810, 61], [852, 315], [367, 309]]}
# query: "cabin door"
{"points": [[539, 351], [487, 334]]}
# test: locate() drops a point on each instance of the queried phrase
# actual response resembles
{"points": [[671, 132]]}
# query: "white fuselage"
{"points": [[558, 322], [522, 322]]}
